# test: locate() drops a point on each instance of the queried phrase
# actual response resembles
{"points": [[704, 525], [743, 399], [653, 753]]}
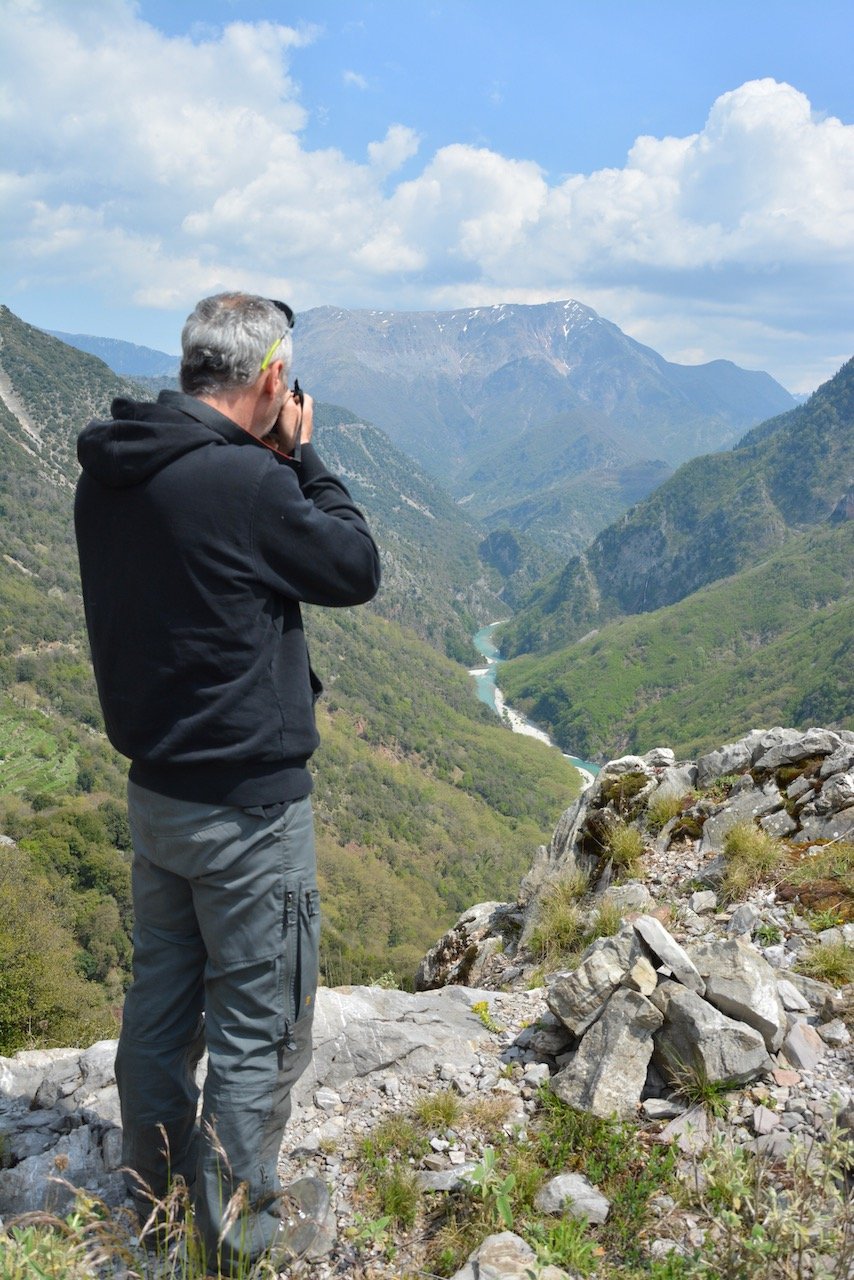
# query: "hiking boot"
{"points": [[304, 1207]]}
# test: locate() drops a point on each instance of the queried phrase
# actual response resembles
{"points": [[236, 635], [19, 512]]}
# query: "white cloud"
{"points": [[399, 145], [157, 167], [354, 80]]}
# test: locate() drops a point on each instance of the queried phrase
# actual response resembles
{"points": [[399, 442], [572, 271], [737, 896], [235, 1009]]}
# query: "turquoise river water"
{"points": [[487, 690]]}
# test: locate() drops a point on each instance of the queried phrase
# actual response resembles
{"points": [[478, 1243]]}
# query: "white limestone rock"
{"points": [[836, 826], [578, 998], [803, 1047], [669, 952], [697, 1036], [748, 805], [815, 742], [628, 898], [608, 1073], [572, 1194], [838, 791], [742, 984], [676, 781]]}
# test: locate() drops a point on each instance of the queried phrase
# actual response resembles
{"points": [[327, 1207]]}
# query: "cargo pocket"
{"points": [[301, 926], [308, 946]]}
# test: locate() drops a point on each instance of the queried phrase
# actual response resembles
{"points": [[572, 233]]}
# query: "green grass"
{"points": [[567, 924], [661, 809], [439, 1111], [694, 1085], [752, 1231], [625, 846], [561, 922], [833, 861], [831, 962]]}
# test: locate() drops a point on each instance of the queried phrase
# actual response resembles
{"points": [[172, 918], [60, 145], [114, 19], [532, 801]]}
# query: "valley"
{"points": [[425, 801]]}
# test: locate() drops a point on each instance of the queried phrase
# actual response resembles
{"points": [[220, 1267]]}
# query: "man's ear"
{"points": [[273, 378]]}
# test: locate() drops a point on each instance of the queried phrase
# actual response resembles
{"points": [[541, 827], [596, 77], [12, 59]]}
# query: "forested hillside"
{"points": [[755, 548], [771, 645], [715, 516], [433, 580], [424, 800]]}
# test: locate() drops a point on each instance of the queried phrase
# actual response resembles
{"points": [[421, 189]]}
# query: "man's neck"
{"points": [[237, 405]]}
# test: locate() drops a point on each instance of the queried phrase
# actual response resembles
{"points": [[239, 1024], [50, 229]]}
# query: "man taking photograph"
{"points": [[203, 521]]}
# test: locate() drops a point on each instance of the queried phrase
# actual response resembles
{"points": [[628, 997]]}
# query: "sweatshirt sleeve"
{"points": [[310, 542]]}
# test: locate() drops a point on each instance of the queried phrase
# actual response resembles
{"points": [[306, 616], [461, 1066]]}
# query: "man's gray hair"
{"points": [[227, 338]]}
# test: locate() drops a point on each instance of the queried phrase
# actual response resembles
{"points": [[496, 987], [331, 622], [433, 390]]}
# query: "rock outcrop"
{"points": [[699, 1003], [693, 991]]}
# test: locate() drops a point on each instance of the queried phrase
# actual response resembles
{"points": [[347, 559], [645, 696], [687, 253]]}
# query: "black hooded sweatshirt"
{"points": [[196, 546]]}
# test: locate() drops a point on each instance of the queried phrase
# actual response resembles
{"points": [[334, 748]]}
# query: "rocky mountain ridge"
{"points": [[545, 418], [697, 981], [512, 366]]}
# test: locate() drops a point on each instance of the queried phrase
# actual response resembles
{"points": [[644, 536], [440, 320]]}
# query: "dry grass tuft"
{"points": [[753, 858]]}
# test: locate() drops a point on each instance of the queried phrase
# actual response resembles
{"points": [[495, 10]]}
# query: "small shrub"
{"points": [[722, 787], [752, 857], [622, 790], [387, 981], [762, 1232], [370, 1231], [689, 827], [493, 1189], [767, 934], [566, 1244]]}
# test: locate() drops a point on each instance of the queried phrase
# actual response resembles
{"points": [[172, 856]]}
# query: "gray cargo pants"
{"points": [[226, 923]]}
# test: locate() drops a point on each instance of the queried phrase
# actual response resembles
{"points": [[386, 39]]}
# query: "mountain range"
{"points": [[546, 419]]}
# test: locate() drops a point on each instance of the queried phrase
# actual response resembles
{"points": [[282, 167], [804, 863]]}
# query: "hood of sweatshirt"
{"points": [[142, 437]]}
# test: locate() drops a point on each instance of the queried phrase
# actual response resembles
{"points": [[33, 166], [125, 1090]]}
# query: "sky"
{"points": [[685, 167]]}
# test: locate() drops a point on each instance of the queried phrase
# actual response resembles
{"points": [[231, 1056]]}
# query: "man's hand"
{"points": [[287, 426]]}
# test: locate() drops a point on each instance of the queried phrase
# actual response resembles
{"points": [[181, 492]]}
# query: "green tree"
{"points": [[43, 1000]]}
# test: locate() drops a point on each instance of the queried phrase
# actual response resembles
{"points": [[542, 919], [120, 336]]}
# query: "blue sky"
{"points": [[685, 168]]}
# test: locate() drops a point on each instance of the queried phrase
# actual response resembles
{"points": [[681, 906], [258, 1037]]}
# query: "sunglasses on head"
{"points": [[286, 311]]}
